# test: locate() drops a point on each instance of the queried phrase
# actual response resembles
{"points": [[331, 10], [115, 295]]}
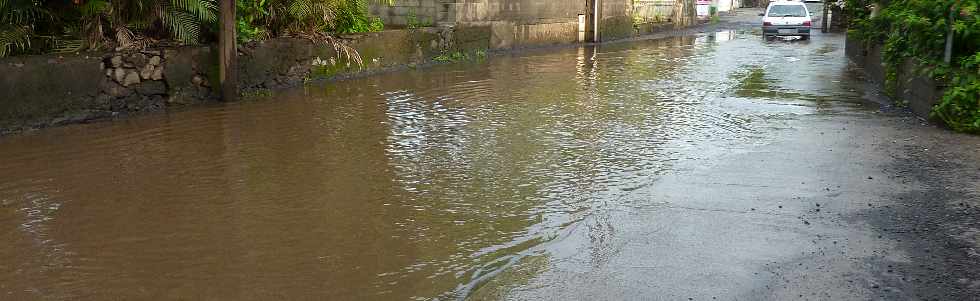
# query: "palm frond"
{"points": [[205, 10], [182, 25], [22, 12], [66, 45], [13, 39], [94, 7], [300, 9]]}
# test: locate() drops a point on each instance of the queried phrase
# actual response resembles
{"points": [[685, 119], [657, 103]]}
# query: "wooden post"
{"points": [[227, 52], [825, 19], [948, 53], [592, 16]]}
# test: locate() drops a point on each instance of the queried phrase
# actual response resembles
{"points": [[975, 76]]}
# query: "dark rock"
{"points": [[81, 116], [182, 64], [102, 101], [137, 59], [121, 104], [152, 88], [115, 90]]}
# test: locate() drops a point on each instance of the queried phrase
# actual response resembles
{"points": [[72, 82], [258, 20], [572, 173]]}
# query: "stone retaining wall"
{"points": [[919, 92], [52, 90], [46, 90]]}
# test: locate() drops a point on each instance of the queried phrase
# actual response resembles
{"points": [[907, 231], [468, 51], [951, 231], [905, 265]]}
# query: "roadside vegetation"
{"points": [[917, 30], [39, 26]]}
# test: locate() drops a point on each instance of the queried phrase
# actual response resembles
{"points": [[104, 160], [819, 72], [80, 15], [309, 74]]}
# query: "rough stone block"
{"points": [[132, 78], [119, 75], [116, 61], [146, 71], [157, 74]]}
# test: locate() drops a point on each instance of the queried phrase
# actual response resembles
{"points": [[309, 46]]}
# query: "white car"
{"points": [[787, 18]]}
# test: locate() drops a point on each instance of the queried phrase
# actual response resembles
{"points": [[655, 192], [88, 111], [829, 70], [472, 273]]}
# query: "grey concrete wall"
{"points": [[521, 23], [518, 11], [920, 92], [401, 12], [617, 19], [529, 23], [653, 11]]}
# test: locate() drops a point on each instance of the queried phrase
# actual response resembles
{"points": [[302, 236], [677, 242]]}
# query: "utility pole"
{"points": [[227, 52], [597, 17]]}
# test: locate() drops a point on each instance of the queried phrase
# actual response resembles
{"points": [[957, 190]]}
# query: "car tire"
{"points": [[804, 38]]}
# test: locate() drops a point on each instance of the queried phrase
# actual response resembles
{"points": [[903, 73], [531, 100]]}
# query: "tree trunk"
{"points": [[227, 52], [685, 13]]}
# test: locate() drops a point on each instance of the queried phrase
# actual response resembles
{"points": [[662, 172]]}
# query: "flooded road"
{"points": [[439, 183]]}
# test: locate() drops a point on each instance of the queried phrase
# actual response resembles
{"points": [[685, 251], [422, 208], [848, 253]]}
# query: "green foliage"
{"points": [[352, 17], [37, 26], [17, 23], [414, 22], [460, 56], [13, 39], [917, 29], [960, 105], [33, 26], [452, 57], [249, 14]]}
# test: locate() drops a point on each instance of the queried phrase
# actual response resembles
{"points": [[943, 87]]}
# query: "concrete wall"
{"points": [[401, 12], [521, 23], [529, 23], [919, 92], [653, 11]]}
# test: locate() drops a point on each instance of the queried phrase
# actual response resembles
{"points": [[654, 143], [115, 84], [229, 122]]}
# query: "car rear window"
{"points": [[787, 11]]}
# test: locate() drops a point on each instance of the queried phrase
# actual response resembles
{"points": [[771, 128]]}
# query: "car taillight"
{"points": [[807, 23], [766, 23]]}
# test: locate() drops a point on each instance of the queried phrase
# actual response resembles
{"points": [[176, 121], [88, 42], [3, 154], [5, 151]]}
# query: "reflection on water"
{"points": [[415, 184]]}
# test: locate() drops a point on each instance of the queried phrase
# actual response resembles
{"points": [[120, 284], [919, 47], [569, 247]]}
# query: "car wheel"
{"points": [[804, 38]]}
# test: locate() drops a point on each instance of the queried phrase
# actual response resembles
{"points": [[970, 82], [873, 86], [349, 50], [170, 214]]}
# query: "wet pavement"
{"points": [[706, 166]]}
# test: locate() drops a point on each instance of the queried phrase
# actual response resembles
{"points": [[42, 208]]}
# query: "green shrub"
{"points": [[413, 21], [917, 29], [352, 17], [31, 26], [36, 26]]}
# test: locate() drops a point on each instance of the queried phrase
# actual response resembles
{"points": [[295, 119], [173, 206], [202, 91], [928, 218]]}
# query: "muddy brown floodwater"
{"points": [[417, 184]]}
